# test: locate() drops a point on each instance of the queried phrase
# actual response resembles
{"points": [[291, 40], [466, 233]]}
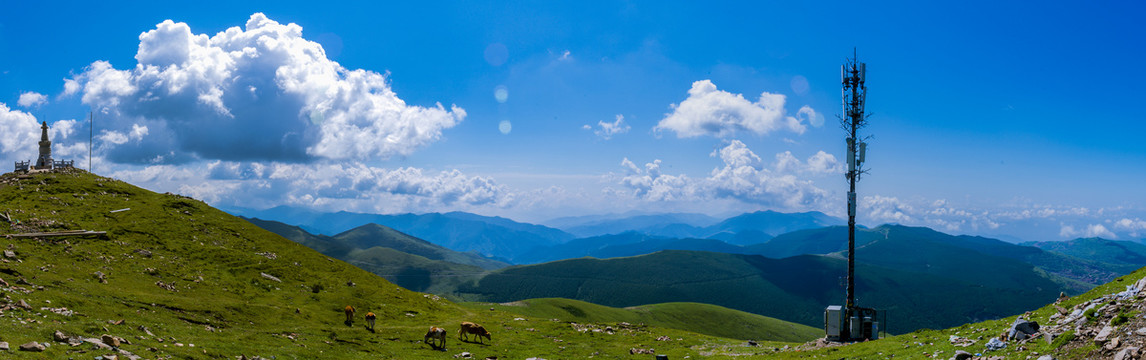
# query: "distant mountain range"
{"points": [[407, 261], [799, 272], [518, 243], [493, 237], [920, 248], [748, 228], [794, 289]]}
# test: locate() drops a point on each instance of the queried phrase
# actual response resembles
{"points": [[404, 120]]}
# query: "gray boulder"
{"points": [[32, 346], [1022, 329]]}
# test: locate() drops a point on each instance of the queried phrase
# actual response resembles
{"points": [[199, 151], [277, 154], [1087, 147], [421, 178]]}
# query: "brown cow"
{"points": [[436, 333], [370, 321], [471, 328], [349, 315]]}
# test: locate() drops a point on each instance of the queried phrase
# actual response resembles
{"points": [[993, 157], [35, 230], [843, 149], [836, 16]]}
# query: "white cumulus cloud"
{"points": [[709, 111], [21, 133], [258, 93], [606, 130], [31, 99], [742, 178], [1090, 231]]}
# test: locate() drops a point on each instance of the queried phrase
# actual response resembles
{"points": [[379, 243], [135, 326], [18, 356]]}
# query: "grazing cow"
{"points": [[349, 315], [436, 333], [471, 328], [370, 321]]}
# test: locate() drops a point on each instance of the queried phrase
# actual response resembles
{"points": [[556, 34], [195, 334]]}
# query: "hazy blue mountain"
{"points": [[794, 289], [743, 238], [758, 226], [774, 223], [581, 247], [404, 260], [1132, 254], [678, 225], [897, 246], [660, 244], [493, 237]]}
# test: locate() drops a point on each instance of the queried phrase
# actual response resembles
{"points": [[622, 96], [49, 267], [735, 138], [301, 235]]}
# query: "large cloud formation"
{"points": [[742, 178], [263, 93], [708, 111]]}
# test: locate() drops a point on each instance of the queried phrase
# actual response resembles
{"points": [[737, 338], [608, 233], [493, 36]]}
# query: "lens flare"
{"points": [[505, 127], [501, 94]]}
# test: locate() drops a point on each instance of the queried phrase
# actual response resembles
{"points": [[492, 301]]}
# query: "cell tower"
{"points": [[850, 322]]}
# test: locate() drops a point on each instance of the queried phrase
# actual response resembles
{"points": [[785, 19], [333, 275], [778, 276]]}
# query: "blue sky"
{"points": [[987, 118]]}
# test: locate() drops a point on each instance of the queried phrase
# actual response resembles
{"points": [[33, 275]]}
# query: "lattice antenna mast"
{"points": [[852, 74]]}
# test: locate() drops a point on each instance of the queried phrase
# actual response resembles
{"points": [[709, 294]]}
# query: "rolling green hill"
{"points": [[179, 279], [490, 236], [699, 318], [374, 235], [1131, 255], [407, 261], [926, 250], [794, 289]]}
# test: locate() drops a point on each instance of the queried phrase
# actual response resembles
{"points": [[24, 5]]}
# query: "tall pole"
{"points": [[91, 134], [853, 73]]}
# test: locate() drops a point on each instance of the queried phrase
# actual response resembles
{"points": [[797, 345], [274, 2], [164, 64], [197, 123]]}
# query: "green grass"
{"points": [[224, 306], [220, 302], [699, 318]]}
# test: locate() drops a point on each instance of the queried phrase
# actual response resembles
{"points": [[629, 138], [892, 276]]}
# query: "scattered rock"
{"points": [[995, 344], [1113, 344], [1046, 357], [59, 336], [142, 252], [1128, 353], [109, 340], [4, 345], [271, 277], [1061, 310], [962, 355], [165, 286], [463, 355], [23, 305], [32, 346], [1103, 335], [1140, 332], [9, 254], [635, 351], [145, 330], [1022, 329]]}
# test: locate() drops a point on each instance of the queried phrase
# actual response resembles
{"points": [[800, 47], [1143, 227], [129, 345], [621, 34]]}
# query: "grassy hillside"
{"points": [[406, 261], [699, 318], [374, 235], [179, 279], [971, 258], [794, 289]]}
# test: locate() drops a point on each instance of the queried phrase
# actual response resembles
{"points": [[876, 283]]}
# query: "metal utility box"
{"points": [[862, 324], [833, 321]]}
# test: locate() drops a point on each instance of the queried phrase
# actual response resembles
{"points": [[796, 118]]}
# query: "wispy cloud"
{"points": [[606, 130]]}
